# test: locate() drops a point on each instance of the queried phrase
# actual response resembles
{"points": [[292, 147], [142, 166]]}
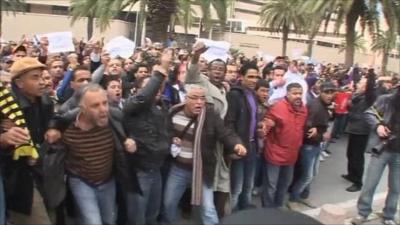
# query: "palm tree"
{"points": [[84, 8], [384, 43], [10, 6], [159, 15], [351, 11], [185, 15], [103, 10], [281, 16], [358, 44]]}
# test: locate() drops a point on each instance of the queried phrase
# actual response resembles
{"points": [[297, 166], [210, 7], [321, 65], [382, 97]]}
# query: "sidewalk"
{"points": [[350, 207]]}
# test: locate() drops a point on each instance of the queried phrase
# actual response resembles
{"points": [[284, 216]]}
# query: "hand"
{"points": [[130, 145], [383, 131], [198, 48], [312, 132], [166, 58], [227, 86], [327, 136], [269, 123], [261, 130], [52, 136], [15, 136], [7, 124], [177, 141], [240, 150]]}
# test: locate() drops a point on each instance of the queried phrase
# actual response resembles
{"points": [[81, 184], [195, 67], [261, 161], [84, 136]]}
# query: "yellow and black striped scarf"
{"points": [[11, 110]]}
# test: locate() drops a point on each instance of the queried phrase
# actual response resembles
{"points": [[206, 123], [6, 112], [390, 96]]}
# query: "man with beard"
{"points": [[315, 133], [96, 145], [384, 119], [287, 118]]}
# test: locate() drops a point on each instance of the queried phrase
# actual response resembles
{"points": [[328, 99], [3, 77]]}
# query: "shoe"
{"points": [[347, 177], [358, 220], [324, 154], [295, 206], [328, 152], [353, 188], [321, 158], [389, 222], [307, 203]]}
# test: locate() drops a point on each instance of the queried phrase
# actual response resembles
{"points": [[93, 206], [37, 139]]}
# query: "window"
{"points": [[60, 10]]}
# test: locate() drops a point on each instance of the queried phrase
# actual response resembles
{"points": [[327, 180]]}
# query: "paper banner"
{"points": [[120, 46]]}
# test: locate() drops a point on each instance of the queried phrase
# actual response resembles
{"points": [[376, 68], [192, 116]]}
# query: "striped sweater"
{"points": [[90, 154]]}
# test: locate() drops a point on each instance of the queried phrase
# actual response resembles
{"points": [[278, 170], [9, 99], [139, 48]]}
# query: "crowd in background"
{"points": [[137, 140]]}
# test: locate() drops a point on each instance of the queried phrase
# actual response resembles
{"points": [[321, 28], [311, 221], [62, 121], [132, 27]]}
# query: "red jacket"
{"points": [[342, 102], [283, 142]]}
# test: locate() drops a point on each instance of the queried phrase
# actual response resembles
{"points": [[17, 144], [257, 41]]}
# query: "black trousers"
{"points": [[355, 157]]}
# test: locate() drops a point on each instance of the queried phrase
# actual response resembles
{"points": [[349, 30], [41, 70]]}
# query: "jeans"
{"points": [[144, 208], [243, 172], [95, 204], [276, 183], [177, 182], [355, 157], [309, 160], [339, 125], [374, 174]]}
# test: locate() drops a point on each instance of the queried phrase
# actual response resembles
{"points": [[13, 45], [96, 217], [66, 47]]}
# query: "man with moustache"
{"points": [[315, 133], [96, 145], [23, 177], [287, 118], [196, 127]]}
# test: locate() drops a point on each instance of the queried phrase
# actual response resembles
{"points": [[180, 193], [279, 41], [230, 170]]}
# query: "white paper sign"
{"points": [[297, 53], [268, 58], [120, 46], [216, 49], [60, 42]]}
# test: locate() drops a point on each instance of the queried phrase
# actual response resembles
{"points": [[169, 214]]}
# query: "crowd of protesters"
{"points": [[138, 140]]}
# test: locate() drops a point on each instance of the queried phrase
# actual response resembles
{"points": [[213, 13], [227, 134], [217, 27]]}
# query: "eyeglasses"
{"points": [[202, 98]]}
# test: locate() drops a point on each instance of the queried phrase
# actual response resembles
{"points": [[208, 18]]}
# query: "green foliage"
{"points": [[276, 14], [12, 5], [103, 10], [384, 42], [359, 44]]}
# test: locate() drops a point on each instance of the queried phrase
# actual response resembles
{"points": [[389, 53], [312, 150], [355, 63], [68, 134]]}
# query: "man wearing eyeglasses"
{"points": [[196, 129], [242, 118]]}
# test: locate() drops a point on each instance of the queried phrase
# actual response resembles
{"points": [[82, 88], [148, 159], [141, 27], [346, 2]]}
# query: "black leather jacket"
{"points": [[148, 125]]}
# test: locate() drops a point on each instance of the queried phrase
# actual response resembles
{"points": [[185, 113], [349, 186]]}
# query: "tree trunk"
{"points": [[310, 47], [385, 60], [160, 12], [90, 22], [1, 18], [351, 20], [285, 34], [142, 14]]}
